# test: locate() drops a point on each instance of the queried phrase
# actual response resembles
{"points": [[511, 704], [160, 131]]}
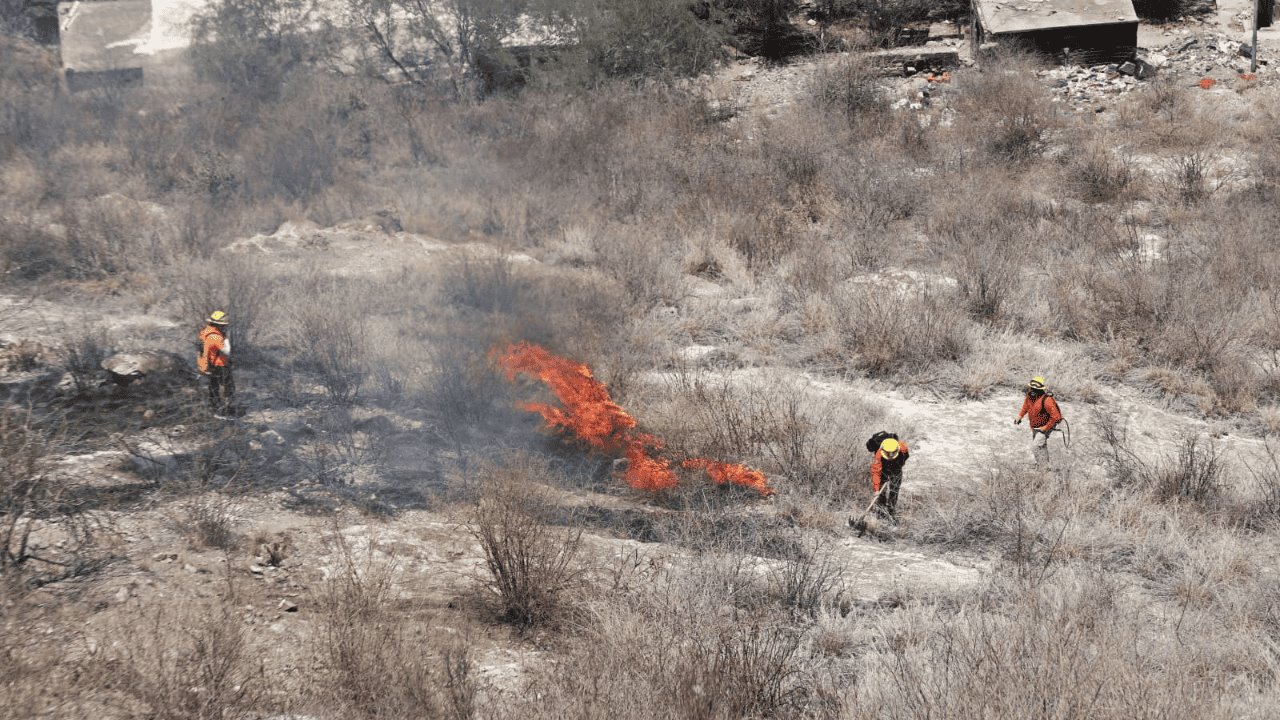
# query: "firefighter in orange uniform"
{"points": [[1042, 411], [215, 362], [889, 454]]}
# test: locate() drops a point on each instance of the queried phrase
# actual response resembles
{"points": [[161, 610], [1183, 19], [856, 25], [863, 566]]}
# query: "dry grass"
{"points": [[672, 646], [377, 662], [46, 532], [1063, 649], [188, 668], [209, 522]]}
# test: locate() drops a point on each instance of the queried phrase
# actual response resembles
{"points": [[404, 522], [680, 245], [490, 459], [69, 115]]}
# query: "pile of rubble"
{"points": [[1088, 84], [1205, 58], [1208, 54]]}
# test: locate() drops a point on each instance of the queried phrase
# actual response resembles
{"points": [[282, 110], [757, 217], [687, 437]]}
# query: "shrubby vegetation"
{"points": [[942, 248]]}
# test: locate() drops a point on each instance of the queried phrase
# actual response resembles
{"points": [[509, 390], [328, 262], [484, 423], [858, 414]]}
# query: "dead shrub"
{"points": [[1188, 177], [238, 287], [763, 234], [849, 87], [885, 330], [885, 19], [870, 192], [110, 235], [644, 265], [31, 663], [776, 424], [807, 439], [275, 551], [462, 385], [744, 671], [376, 660], [82, 354], [331, 346], [197, 667], [532, 567], [809, 582], [1062, 649], [28, 251], [985, 244], [34, 502], [1195, 473], [1022, 515], [341, 451], [1100, 177], [1007, 110], [675, 648], [1264, 510], [209, 522]]}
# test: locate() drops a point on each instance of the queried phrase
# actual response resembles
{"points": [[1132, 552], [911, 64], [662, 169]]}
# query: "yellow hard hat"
{"points": [[218, 317], [1037, 383], [889, 447]]}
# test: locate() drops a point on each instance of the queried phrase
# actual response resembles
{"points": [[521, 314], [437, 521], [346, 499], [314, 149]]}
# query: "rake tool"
{"points": [[861, 523]]}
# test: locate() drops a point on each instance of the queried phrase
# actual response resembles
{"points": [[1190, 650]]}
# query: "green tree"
{"points": [[440, 41], [622, 38], [251, 46]]}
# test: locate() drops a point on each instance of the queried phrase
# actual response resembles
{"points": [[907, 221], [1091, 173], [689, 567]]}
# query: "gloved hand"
{"points": [[1017, 421]]}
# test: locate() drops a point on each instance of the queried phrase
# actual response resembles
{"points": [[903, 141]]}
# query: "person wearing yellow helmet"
{"points": [[215, 361], [888, 454], [1042, 411]]}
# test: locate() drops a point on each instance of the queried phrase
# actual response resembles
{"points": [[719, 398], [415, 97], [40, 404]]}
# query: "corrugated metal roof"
{"points": [[1015, 16]]}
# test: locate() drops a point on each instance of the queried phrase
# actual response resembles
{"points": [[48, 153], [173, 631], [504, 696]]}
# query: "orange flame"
{"points": [[590, 414], [721, 473]]}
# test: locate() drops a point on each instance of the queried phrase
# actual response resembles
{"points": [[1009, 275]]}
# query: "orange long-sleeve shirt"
{"points": [[881, 464], [1041, 412]]}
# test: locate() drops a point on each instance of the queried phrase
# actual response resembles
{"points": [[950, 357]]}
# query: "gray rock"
{"points": [[127, 367]]}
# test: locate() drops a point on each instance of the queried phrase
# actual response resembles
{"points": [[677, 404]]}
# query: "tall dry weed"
{"points": [[533, 568]]}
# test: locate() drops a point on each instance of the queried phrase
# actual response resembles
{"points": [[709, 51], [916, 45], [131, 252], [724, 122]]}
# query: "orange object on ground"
{"points": [[212, 341], [1206, 83], [1248, 77]]}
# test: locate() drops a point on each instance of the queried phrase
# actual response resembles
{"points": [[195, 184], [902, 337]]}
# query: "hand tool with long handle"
{"points": [[861, 523]]}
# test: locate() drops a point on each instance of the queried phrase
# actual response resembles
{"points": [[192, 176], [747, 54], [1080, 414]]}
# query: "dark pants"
{"points": [[221, 388], [887, 504]]}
